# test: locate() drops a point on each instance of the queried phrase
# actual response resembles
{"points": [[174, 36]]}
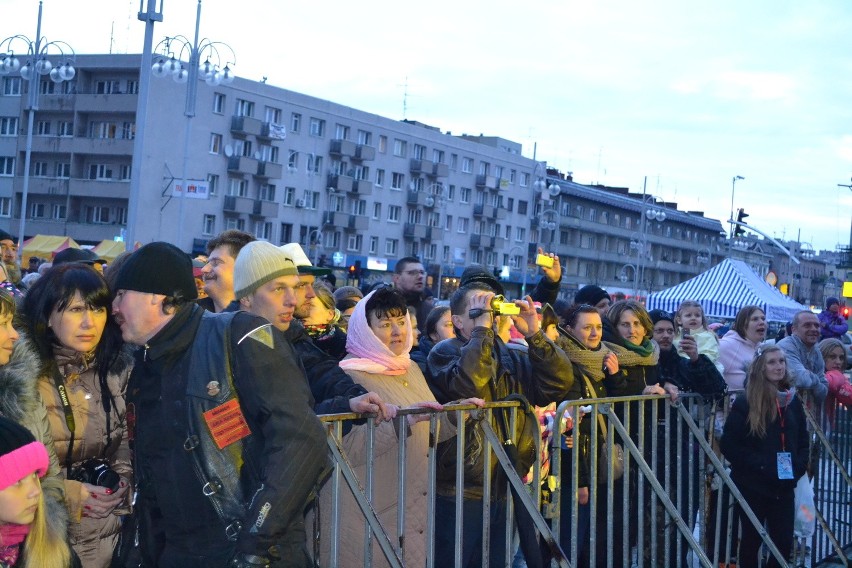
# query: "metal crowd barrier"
{"points": [[673, 506]]}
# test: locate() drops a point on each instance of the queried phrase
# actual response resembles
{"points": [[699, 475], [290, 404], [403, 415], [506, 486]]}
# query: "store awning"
{"points": [[45, 247], [724, 289], [108, 249]]}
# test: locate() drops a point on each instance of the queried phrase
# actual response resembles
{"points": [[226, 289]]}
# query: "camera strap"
{"points": [[69, 416]]}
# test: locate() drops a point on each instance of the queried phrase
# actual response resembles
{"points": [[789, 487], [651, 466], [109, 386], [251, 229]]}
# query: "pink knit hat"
{"points": [[20, 454]]}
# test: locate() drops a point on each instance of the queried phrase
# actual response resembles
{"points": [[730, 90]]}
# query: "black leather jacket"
{"points": [[264, 480], [485, 367]]}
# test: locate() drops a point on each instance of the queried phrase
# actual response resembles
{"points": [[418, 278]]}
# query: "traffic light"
{"points": [[353, 272], [845, 311], [738, 230]]}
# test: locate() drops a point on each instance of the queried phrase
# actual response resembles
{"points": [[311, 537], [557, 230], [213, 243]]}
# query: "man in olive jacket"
{"points": [[478, 364]]}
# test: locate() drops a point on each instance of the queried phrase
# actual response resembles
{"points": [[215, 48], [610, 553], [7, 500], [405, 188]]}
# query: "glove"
{"points": [[243, 560]]}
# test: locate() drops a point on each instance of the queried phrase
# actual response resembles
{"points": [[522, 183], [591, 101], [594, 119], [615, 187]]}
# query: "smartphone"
{"points": [[544, 260], [685, 332]]}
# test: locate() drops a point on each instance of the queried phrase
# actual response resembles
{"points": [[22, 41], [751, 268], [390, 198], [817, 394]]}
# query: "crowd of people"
{"points": [[145, 424]]}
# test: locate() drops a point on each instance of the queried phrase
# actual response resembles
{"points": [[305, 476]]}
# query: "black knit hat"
{"points": [[660, 315], [478, 273], [158, 268], [591, 295], [6, 236]]}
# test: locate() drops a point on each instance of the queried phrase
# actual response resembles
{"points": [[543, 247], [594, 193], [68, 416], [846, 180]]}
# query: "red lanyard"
{"points": [[781, 420]]}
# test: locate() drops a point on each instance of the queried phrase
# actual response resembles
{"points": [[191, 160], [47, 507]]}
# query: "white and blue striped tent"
{"points": [[724, 289]]}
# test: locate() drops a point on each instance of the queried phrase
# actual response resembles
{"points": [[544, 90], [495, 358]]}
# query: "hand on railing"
{"points": [[654, 389], [672, 390], [372, 403], [415, 418], [583, 495]]}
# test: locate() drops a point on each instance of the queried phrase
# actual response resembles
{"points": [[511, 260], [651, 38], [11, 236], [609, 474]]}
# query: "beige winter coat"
{"points": [[402, 390], [92, 539]]}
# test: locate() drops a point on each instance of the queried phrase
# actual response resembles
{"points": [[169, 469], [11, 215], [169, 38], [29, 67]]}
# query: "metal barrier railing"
{"points": [[673, 506]]}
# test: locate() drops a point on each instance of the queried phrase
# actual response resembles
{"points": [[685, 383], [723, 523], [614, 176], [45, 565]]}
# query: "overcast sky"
{"points": [[689, 95]]}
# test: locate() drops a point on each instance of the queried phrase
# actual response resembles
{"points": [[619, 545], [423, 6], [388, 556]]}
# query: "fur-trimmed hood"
{"points": [[18, 382]]}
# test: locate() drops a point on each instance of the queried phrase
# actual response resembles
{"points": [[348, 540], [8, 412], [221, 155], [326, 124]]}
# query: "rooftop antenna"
{"points": [[111, 36], [405, 99]]}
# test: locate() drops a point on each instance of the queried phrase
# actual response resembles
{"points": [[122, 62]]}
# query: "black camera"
{"points": [[97, 472]]}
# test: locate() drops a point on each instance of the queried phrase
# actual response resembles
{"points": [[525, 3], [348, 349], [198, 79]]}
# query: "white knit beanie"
{"points": [[260, 262]]}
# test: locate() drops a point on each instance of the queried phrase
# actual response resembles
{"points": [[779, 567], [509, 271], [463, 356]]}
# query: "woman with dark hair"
{"points": [[438, 326], [766, 441], [82, 377], [593, 362], [379, 341], [737, 347]]}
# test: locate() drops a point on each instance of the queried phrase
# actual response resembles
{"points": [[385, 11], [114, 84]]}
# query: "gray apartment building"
{"points": [[351, 186]]}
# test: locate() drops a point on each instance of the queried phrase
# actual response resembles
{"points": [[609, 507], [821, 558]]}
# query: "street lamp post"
{"points": [[438, 200], [174, 48], [36, 66], [733, 189], [654, 212]]}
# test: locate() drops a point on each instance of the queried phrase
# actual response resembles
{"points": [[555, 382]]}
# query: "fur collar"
{"points": [[18, 382]]}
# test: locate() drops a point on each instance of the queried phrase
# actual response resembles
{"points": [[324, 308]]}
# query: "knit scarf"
{"points": [[591, 361], [630, 355], [11, 537], [318, 329], [367, 353]]}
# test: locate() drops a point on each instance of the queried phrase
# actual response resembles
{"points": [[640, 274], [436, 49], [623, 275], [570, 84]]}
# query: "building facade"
{"points": [[351, 186]]}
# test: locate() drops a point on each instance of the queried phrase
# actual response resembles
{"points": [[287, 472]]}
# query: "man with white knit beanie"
{"points": [[265, 278]]}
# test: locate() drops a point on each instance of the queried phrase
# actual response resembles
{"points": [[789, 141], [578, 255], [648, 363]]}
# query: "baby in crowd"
{"points": [[690, 320]]}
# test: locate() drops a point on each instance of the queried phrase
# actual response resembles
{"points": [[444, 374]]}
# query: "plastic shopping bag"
{"points": [[805, 521]]}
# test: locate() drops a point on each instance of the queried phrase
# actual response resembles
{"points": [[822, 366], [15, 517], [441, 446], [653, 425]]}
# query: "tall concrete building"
{"points": [[350, 185]]}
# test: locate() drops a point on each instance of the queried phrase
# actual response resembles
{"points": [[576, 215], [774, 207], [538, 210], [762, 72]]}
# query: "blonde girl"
{"points": [[690, 321], [25, 539]]}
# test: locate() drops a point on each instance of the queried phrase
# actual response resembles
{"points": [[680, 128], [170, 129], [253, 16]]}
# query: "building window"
{"points": [[107, 87], [419, 152], [43, 128], [215, 143], [295, 124], [397, 180], [98, 214], [235, 223], [454, 161], [467, 165], [464, 195], [451, 192], [63, 170], [289, 196], [100, 172], [7, 166], [394, 212], [243, 148], [525, 180], [484, 168], [380, 178], [244, 108], [377, 210], [263, 230], [400, 147], [522, 207], [219, 103], [391, 246], [354, 243], [462, 224], [341, 132], [438, 156], [208, 225], [266, 192], [37, 210], [40, 169], [58, 211], [293, 160], [365, 137], [520, 234], [124, 172], [132, 87], [383, 144], [237, 187], [11, 85], [314, 164], [317, 127], [212, 184], [374, 245], [286, 233], [5, 206], [273, 115], [512, 176], [66, 128], [128, 130]]}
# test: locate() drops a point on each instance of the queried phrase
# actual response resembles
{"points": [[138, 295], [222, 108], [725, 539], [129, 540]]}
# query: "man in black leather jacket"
{"points": [[274, 445], [478, 364]]}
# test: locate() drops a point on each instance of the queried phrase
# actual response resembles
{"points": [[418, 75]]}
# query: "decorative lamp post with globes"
{"points": [[37, 65], [215, 70]]}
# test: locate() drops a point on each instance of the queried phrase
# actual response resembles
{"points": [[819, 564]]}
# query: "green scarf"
{"points": [[630, 355]]}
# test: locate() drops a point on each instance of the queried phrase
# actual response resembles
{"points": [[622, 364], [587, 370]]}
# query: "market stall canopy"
{"points": [[46, 246], [724, 289], [108, 249]]}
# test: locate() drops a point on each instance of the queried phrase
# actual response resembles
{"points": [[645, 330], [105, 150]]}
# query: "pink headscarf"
{"points": [[366, 352]]}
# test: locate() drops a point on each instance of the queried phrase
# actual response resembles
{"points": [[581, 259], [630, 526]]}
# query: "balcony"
{"points": [[263, 208], [345, 221], [89, 102], [340, 183], [441, 170], [421, 166], [99, 188], [416, 197], [486, 241], [241, 205], [415, 231], [339, 147], [487, 182], [364, 152], [362, 187], [104, 146], [245, 126], [58, 102], [54, 144], [243, 165], [46, 185], [269, 170], [434, 234]]}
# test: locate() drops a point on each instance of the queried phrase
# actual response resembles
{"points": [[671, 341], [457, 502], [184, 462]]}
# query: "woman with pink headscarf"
{"points": [[378, 343]]}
